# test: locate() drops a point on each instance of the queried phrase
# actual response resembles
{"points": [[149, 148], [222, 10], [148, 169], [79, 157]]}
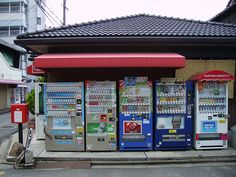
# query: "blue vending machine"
{"points": [[136, 115], [173, 114]]}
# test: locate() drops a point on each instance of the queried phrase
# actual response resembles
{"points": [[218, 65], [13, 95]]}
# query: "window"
{"points": [[38, 21], [15, 7], [14, 30], [4, 31], [8, 58], [4, 7]]}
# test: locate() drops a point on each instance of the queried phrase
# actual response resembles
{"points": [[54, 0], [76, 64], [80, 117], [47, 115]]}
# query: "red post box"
{"points": [[19, 113]]}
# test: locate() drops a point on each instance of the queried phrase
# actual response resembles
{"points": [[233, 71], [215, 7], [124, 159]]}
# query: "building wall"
{"points": [[35, 16], [3, 96], [113, 74], [14, 22]]}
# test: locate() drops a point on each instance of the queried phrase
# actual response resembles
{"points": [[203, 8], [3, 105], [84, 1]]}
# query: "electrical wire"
{"points": [[52, 12], [46, 14]]}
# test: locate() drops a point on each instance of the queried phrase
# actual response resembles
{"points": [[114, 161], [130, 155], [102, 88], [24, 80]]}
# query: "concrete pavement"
{"points": [[115, 158], [108, 158]]}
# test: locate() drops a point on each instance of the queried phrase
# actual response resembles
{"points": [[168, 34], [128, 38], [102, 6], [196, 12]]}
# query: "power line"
{"points": [[46, 14], [52, 12], [43, 10]]}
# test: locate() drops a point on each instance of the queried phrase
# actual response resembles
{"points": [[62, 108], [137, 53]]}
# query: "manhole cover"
{"points": [[7, 126]]}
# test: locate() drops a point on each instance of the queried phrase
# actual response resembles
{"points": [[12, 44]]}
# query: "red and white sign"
{"points": [[213, 75]]}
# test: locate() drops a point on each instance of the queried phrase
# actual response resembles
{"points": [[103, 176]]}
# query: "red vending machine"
{"points": [[211, 109]]}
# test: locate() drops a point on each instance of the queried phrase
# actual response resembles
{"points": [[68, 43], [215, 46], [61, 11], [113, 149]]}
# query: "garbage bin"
{"points": [[233, 136]]}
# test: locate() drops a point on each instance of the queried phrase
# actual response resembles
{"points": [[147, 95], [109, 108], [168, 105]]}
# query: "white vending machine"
{"points": [[211, 110]]}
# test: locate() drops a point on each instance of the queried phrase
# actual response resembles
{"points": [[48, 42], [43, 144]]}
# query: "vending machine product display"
{"points": [[211, 110], [136, 118], [101, 116], [173, 114], [64, 110]]}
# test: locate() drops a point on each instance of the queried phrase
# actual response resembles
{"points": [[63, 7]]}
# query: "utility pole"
{"points": [[64, 12]]}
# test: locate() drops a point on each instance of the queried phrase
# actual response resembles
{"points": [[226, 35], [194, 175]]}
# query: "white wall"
{"points": [[7, 72]]}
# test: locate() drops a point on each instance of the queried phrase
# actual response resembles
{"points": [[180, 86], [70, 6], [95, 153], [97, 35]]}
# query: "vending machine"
{"points": [[64, 111], [101, 116], [39, 111], [136, 115], [211, 109], [173, 114]]}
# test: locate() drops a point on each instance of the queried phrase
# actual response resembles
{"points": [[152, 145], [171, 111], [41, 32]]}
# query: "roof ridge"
{"points": [[61, 29], [196, 21], [106, 20], [81, 24]]}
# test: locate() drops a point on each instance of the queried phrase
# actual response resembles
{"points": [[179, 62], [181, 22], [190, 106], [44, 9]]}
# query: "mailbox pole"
{"points": [[20, 133], [20, 125]]}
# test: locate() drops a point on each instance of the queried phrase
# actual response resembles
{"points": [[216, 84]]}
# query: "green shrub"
{"points": [[30, 99]]}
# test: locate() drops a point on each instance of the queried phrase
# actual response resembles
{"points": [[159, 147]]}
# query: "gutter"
{"points": [[127, 40]]}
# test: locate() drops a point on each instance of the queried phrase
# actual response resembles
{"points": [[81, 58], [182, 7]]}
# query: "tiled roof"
{"points": [[228, 9], [138, 26]]}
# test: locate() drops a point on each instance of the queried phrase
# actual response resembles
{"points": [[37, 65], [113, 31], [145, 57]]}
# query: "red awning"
{"points": [[31, 70], [96, 60], [213, 75]]}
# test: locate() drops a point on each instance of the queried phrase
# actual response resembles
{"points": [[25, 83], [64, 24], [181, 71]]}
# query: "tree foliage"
{"points": [[30, 98]]}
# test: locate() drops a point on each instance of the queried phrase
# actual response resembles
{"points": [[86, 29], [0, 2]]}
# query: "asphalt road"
{"points": [[6, 127], [170, 170]]}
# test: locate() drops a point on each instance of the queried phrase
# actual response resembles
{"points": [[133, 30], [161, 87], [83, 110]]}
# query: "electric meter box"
{"points": [[19, 113]]}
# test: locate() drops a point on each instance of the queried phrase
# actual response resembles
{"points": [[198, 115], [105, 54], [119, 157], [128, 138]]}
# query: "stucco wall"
{"points": [[197, 66]]}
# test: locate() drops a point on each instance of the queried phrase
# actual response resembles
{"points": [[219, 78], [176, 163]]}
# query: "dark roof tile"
{"points": [[139, 25]]}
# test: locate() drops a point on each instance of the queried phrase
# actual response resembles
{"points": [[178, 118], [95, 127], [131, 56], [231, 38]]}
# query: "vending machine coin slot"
{"points": [[221, 115], [133, 118], [111, 119], [101, 139]]}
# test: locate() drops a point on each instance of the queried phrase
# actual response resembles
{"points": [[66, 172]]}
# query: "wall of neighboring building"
{"points": [[12, 19], [35, 16]]}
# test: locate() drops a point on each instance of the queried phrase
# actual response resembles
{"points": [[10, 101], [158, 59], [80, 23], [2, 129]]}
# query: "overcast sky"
{"points": [[90, 10]]}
